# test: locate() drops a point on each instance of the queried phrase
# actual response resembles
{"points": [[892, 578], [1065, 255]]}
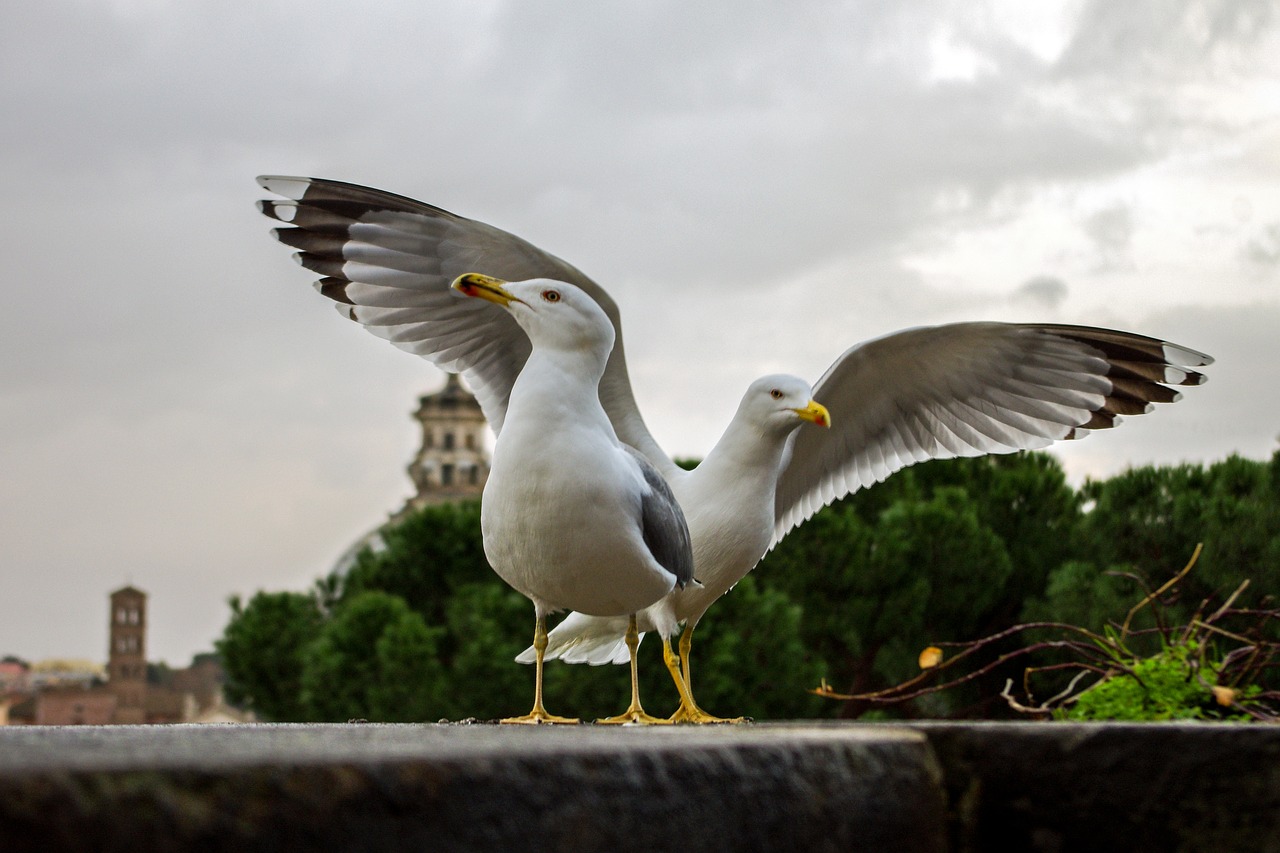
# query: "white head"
{"points": [[554, 314], [779, 403]]}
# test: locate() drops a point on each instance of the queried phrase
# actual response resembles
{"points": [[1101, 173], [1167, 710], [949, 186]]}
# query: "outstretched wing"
{"points": [[968, 389], [387, 261]]}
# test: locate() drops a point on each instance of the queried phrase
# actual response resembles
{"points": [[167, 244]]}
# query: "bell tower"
{"points": [[453, 462], [127, 655]]}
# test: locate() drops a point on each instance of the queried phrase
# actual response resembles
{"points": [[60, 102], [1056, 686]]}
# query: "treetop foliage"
{"points": [[947, 550]]}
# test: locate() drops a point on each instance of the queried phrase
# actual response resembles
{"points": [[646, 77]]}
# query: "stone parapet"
{"points": [[467, 788], [778, 786], [1134, 787]]}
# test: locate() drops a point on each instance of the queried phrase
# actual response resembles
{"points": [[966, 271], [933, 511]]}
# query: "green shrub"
{"points": [[1170, 685]]}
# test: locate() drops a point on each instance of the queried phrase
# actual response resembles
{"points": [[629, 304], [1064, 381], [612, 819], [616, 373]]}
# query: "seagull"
{"points": [[961, 389], [571, 517], [729, 503]]}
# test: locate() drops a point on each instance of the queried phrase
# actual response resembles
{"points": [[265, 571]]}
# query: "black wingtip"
{"points": [[335, 289]]}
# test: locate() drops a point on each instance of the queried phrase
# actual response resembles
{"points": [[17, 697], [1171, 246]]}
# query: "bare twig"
{"points": [[1109, 656], [1124, 629]]}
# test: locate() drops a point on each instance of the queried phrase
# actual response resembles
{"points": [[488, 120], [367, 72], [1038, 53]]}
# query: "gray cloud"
{"points": [[1111, 230], [179, 403], [1264, 248], [1043, 291], [1164, 42]]}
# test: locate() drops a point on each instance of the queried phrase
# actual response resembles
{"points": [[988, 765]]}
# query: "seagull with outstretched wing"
{"points": [[571, 517], [963, 389]]}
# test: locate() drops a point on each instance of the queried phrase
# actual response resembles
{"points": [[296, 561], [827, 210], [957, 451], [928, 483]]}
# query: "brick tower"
{"points": [[127, 655]]}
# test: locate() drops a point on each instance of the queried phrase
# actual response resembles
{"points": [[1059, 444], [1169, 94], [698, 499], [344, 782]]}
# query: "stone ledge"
{"points": [[813, 786], [1110, 786], [445, 788]]}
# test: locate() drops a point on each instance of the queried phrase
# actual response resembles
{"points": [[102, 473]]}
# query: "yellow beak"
{"points": [[815, 413], [484, 287]]}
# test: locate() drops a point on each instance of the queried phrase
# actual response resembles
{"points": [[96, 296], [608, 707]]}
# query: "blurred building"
{"points": [[127, 655], [453, 462], [128, 691], [15, 685], [73, 706]]}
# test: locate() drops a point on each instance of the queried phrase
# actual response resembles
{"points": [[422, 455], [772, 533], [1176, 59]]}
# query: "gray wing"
{"points": [[387, 261], [664, 528], [969, 389]]}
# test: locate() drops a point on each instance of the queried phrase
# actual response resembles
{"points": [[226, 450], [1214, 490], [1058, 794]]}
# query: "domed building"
{"points": [[452, 463]]}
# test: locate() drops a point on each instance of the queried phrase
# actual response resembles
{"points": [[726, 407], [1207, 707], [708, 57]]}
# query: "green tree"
{"points": [[940, 573], [427, 556], [1080, 594], [874, 597], [411, 684], [489, 624], [750, 658], [375, 658], [822, 566], [1025, 500], [1242, 520], [434, 561], [945, 550], [262, 652], [1147, 518], [1148, 521]]}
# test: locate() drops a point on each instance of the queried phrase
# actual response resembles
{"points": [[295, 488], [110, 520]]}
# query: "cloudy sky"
{"points": [[760, 186]]}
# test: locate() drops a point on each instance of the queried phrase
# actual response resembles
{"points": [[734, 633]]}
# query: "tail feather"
{"points": [[594, 640], [598, 652]]}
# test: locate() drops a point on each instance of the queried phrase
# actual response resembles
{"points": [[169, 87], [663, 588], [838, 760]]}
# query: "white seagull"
{"points": [[963, 389], [571, 517], [729, 502]]}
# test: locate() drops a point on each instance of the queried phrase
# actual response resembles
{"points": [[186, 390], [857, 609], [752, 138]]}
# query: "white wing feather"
{"points": [[388, 261], [969, 389]]}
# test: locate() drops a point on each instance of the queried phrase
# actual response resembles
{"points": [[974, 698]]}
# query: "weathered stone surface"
{"points": [[812, 786], [444, 788], [1100, 787]]}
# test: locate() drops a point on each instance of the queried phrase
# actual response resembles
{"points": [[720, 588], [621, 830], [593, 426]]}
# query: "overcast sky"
{"points": [[759, 185]]}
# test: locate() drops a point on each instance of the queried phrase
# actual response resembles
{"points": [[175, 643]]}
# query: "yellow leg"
{"points": [[539, 714], [634, 713], [689, 712], [682, 686]]}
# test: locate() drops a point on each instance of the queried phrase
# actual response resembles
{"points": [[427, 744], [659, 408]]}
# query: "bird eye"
{"points": [[551, 295], [775, 394]]}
